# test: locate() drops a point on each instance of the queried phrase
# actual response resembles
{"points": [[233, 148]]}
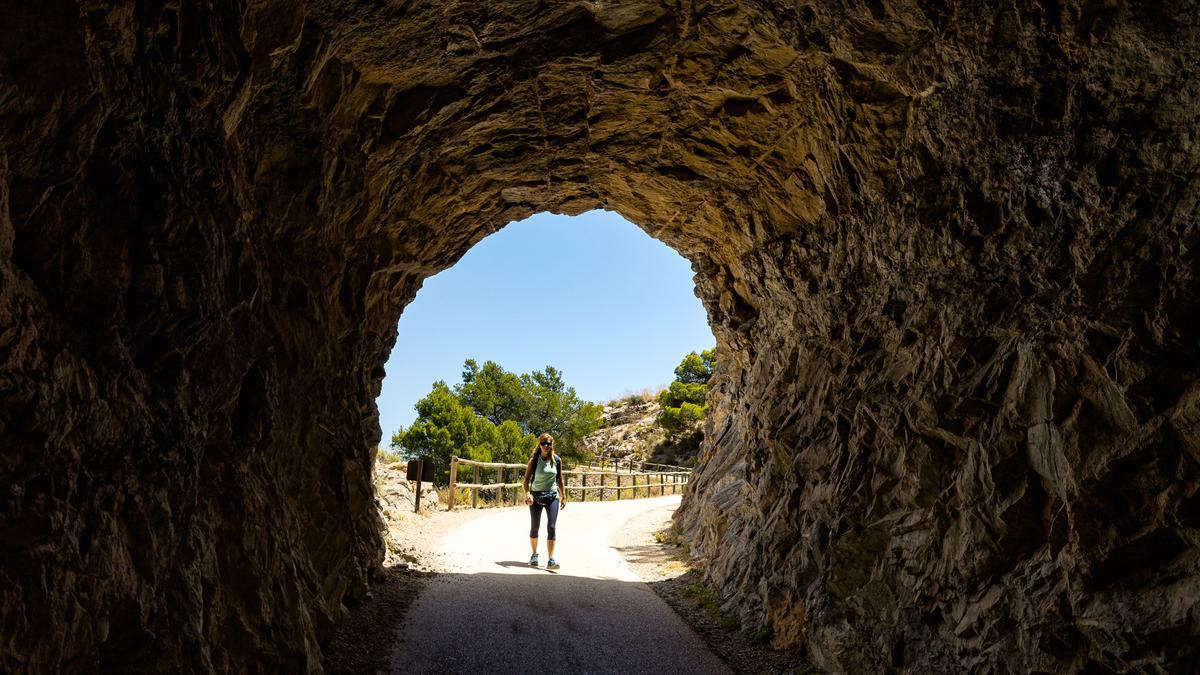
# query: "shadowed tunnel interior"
{"points": [[948, 254], [520, 618]]}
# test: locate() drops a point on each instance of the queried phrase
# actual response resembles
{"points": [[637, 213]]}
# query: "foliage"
{"points": [[493, 392], [672, 536], [555, 408], [682, 392], [495, 416], [445, 427], [675, 421], [683, 403], [762, 636], [697, 368], [699, 592], [385, 456]]}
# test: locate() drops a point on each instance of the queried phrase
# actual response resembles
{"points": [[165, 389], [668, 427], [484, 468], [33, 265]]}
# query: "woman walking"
{"points": [[545, 473]]}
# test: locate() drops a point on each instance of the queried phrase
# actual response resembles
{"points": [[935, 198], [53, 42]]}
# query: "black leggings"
{"points": [[535, 517]]}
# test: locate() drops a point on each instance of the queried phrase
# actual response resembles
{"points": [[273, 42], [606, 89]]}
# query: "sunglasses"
{"points": [[546, 444]]}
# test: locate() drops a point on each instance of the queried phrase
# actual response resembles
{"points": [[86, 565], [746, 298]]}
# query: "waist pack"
{"points": [[544, 498]]}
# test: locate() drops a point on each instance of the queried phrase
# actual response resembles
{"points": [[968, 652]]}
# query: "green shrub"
{"points": [[702, 594], [684, 402], [677, 421], [763, 635], [682, 392]]}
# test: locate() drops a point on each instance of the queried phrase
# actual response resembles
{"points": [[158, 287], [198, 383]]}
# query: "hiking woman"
{"points": [[543, 490]]}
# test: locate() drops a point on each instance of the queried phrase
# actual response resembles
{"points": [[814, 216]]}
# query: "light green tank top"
{"points": [[544, 475]]}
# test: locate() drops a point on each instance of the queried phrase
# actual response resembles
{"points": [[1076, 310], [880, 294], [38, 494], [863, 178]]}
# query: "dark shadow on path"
{"points": [[505, 622], [363, 641], [525, 565], [643, 553]]}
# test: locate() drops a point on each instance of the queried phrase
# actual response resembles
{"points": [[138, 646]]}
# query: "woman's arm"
{"points": [[529, 477], [562, 488]]}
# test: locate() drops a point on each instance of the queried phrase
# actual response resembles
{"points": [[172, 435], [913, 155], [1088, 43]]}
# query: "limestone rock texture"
{"points": [[948, 251], [630, 431], [396, 497]]}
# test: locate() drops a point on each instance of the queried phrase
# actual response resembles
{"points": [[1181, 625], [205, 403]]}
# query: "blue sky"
{"points": [[591, 295]]}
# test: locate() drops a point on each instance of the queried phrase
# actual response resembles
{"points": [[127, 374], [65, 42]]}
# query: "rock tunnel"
{"points": [[948, 253]]}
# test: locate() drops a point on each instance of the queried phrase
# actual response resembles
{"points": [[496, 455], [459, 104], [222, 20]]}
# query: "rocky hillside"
{"points": [[630, 431]]}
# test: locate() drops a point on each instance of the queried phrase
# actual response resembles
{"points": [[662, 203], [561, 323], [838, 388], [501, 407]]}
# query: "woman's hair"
{"points": [[537, 450], [544, 437]]}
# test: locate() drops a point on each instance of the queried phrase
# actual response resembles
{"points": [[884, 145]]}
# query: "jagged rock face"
{"points": [[948, 255]]}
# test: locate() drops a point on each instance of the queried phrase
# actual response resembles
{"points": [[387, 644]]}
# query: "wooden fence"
{"points": [[610, 482], [634, 466]]}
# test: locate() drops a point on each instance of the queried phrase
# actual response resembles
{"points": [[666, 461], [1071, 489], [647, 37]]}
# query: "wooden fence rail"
{"points": [[637, 480], [630, 464]]}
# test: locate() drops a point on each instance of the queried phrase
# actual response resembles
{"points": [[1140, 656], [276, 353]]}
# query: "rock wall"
{"points": [[960, 434], [948, 253]]}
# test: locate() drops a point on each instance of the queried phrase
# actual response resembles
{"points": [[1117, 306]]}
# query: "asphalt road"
{"points": [[492, 613]]}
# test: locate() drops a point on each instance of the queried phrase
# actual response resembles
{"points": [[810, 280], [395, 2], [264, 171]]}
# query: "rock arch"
{"points": [[948, 255]]}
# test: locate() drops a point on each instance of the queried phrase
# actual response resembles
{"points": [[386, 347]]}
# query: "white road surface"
{"points": [[489, 612]]}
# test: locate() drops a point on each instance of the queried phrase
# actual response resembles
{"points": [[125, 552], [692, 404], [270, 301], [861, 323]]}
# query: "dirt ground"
{"points": [[654, 555]]}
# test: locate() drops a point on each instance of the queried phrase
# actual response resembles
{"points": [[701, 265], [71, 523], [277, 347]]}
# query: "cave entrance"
{"points": [[584, 314]]}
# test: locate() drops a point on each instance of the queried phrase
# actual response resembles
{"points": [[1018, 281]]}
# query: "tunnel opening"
{"points": [[555, 324]]}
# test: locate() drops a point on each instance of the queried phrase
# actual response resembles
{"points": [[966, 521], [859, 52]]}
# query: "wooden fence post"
{"points": [[453, 480], [583, 484], [475, 491], [618, 486]]}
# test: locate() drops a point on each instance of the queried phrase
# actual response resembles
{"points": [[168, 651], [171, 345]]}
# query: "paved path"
{"points": [[492, 613]]}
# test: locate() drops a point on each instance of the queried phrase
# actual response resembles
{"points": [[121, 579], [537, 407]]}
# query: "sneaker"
{"points": [[533, 560], [551, 564]]}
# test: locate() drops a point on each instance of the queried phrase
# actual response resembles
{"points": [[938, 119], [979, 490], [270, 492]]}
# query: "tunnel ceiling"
{"points": [[948, 254]]}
